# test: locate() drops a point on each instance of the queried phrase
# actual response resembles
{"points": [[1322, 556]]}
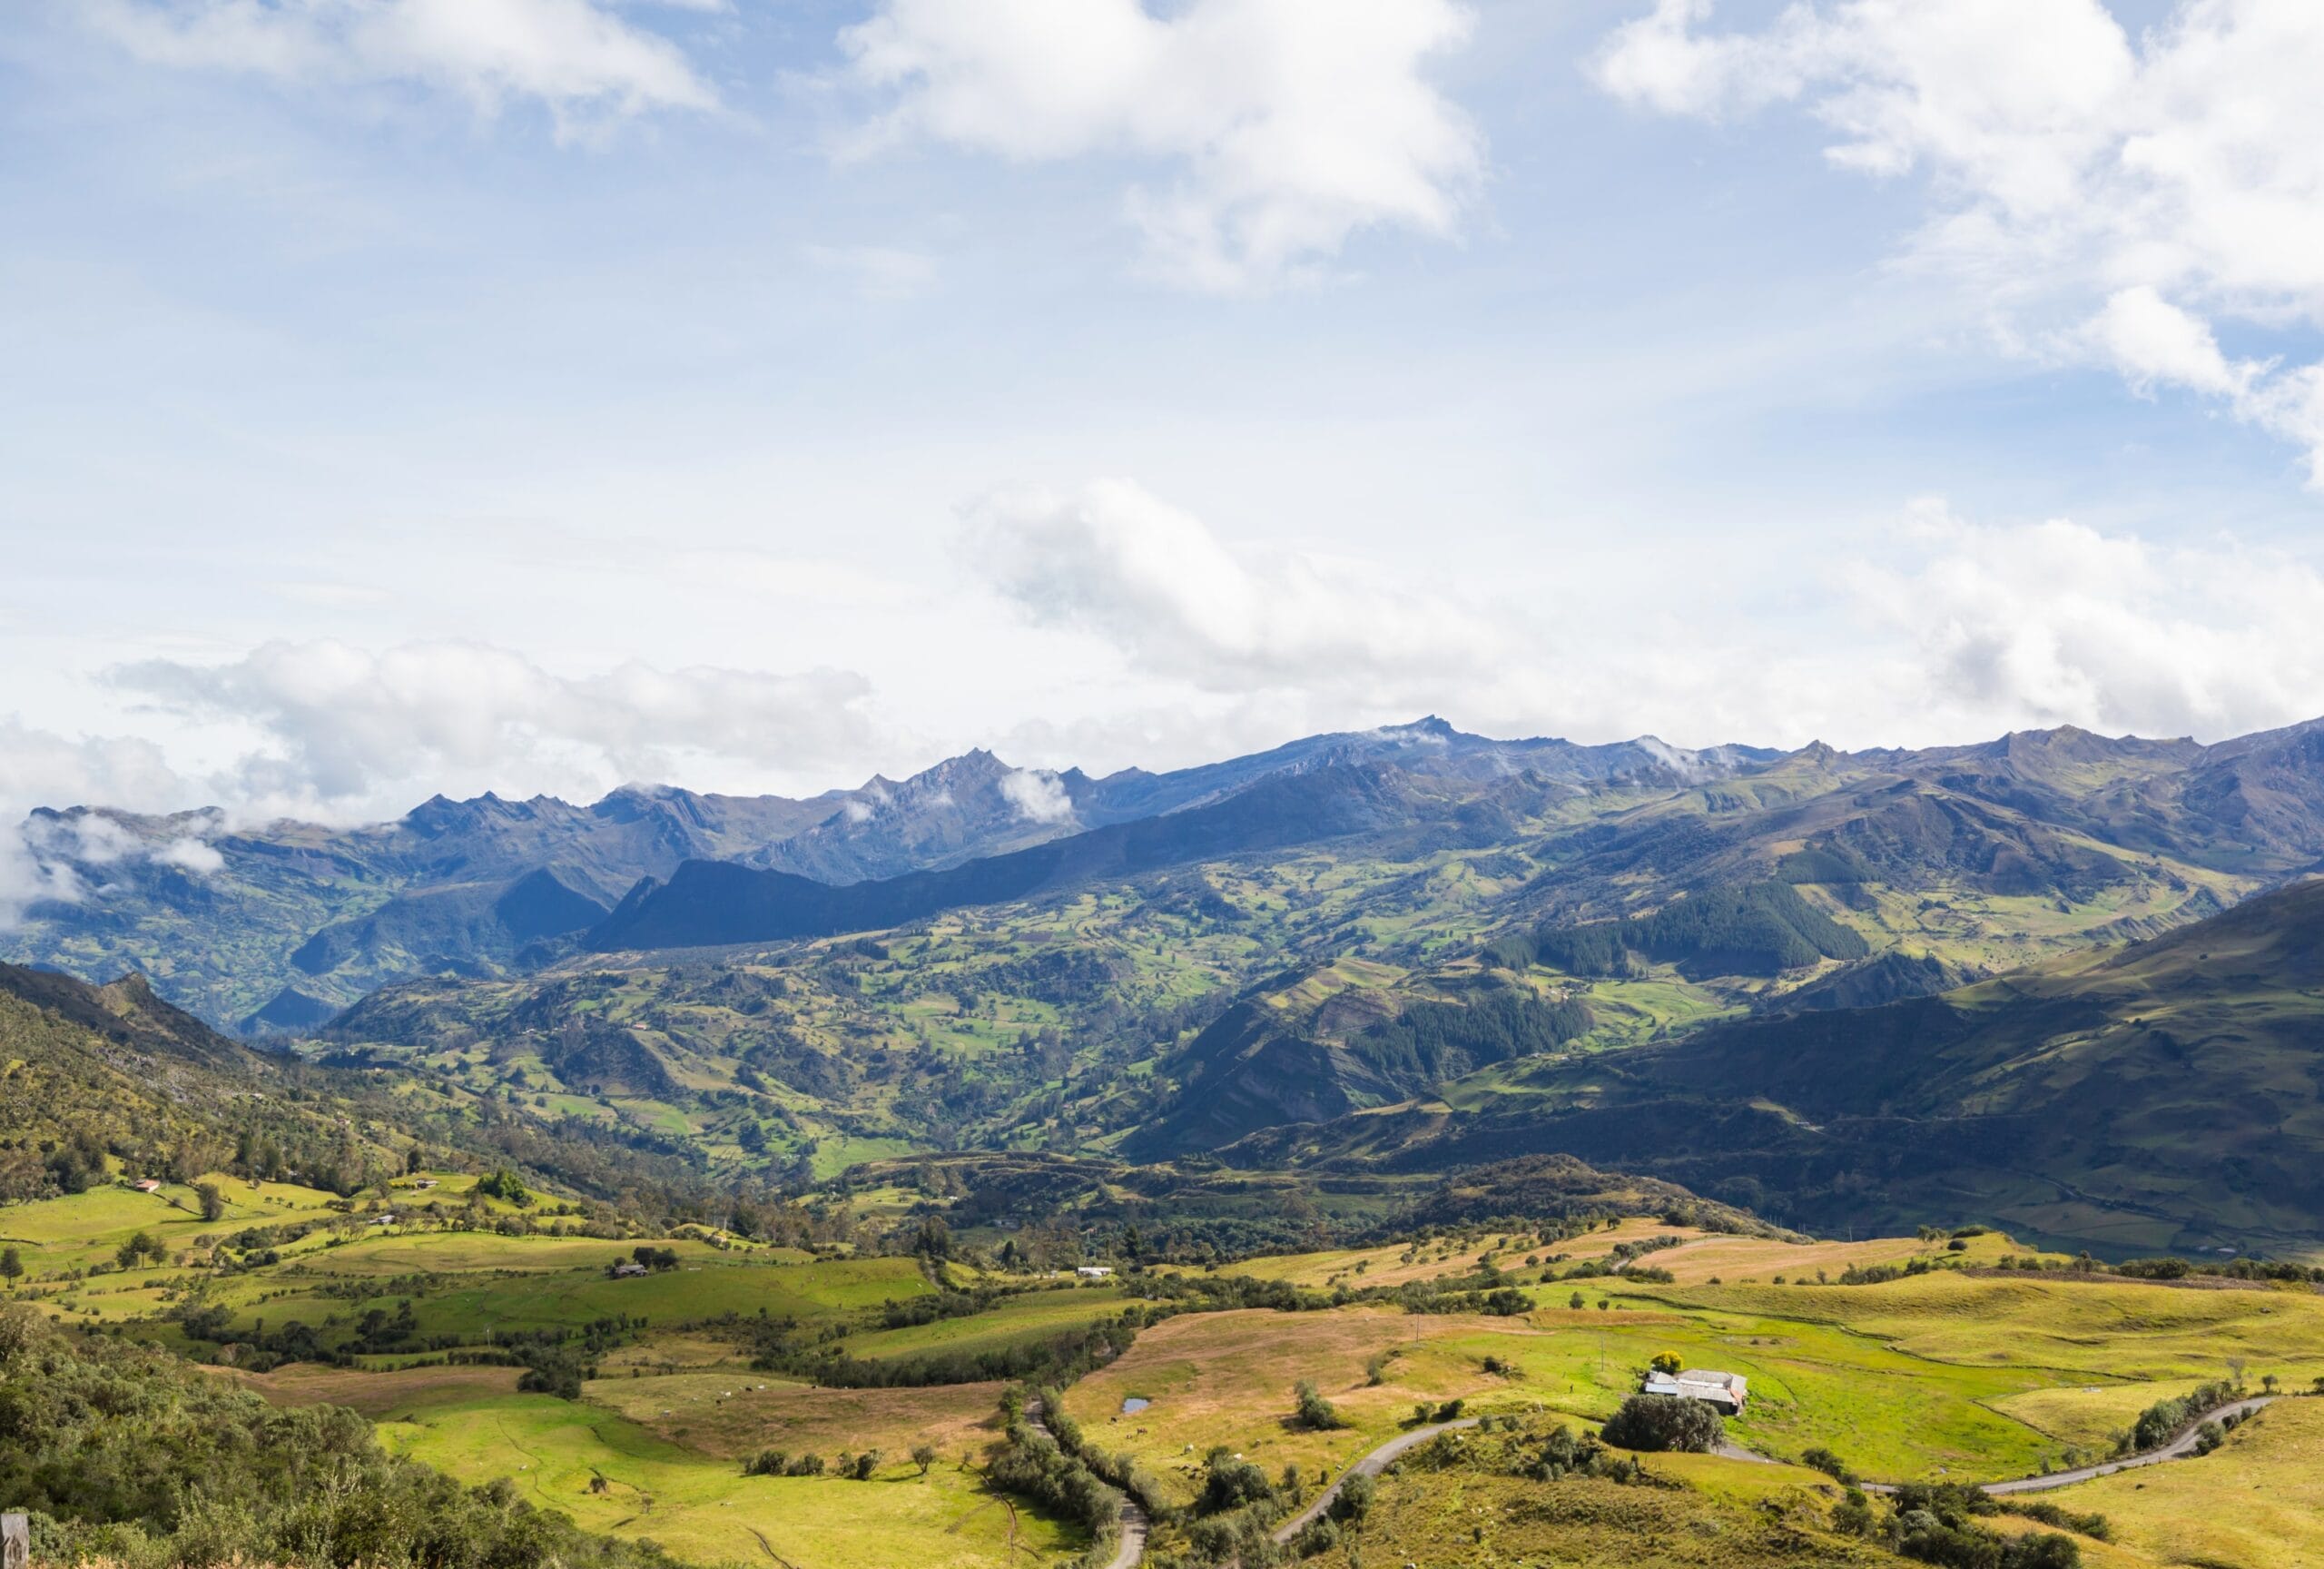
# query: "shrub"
{"points": [[1315, 1414], [1230, 1483], [1653, 1423], [2159, 1422], [121, 1444], [1819, 1459], [1354, 1500]]}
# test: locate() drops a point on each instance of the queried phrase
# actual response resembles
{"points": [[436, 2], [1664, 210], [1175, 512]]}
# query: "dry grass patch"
{"points": [[1734, 1258], [676, 1353], [1227, 1378], [378, 1395], [732, 1417], [1386, 1266]]}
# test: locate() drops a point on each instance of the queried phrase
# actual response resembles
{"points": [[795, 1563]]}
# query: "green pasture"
{"points": [[609, 1475], [1016, 1319]]}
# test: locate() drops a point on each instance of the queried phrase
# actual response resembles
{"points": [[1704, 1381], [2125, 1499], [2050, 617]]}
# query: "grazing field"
{"points": [[81, 1229], [2108, 1326], [1227, 1378], [381, 1395], [1753, 1260], [735, 1415], [2090, 1416], [1726, 1515], [612, 1475], [1397, 1263], [1962, 1372], [2258, 1503], [1012, 1320]]}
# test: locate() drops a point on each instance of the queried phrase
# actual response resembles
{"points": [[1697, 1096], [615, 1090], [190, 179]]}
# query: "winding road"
{"points": [[1132, 1547], [1134, 1523], [2182, 1443], [1371, 1465]]}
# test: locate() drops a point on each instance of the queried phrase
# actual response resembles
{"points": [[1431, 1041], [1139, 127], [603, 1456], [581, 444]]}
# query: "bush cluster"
{"points": [[124, 1452]]}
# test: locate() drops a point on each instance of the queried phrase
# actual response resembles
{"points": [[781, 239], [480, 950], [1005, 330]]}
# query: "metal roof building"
{"points": [[1728, 1391]]}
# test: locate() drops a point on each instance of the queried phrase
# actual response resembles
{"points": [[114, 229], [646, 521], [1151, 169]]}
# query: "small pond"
{"points": [[1133, 1404]]}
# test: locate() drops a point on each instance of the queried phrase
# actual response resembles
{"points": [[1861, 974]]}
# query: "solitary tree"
{"points": [[12, 1268], [1577, 1301], [213, 1203], [1315, 1414], [1666, 1362], [1660, 1422], [923, 1454]]}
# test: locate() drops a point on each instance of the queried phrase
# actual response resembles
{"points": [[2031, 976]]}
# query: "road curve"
{"points": [[1371, 1465], [1134, 1523], [2182, 1443], [1132, 1542]]}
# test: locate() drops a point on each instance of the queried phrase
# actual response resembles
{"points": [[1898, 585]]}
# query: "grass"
{"points": [[1436, 1259], [549, 1291], [1949, 1375], [1944, 1377], [701, 1507], [84, 1229], [2258, 1503], [733, 1415], [1027, 1316], [1726, 1515], [2118, 1329], [1226, 1378]]}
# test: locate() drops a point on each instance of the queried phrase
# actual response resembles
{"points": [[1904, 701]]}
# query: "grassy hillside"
{"points": [[515, 1361]]}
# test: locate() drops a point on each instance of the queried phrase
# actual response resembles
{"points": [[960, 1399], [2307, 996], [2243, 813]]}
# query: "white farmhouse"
{"points": [[1728, 1391]]}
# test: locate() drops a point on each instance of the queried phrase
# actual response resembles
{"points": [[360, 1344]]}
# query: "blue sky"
{"points": [[532, 394]]}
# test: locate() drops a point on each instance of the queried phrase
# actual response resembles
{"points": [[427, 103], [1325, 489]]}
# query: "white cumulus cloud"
{"points": [[1154, 581], [2116, 198], [348, 728], [2054, 623], [1037, 796], [575, 58], [1285, 125]]}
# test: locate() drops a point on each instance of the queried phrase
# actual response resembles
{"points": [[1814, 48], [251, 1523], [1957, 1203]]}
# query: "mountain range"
{"points": [[1832, 986]]}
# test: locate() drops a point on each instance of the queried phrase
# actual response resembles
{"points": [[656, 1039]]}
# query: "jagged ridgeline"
{"points": [[1355, 950], [1757, 928]]}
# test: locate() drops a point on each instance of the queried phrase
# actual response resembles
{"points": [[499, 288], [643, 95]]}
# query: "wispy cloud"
{"points": [[576, 58]]}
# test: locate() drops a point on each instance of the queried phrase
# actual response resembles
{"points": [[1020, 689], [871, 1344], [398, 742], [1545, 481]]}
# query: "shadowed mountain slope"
{"points": [[2168, 1095]]}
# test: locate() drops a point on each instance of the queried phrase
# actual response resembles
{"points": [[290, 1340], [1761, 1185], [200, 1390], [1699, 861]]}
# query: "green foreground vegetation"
{"points": [[722, 1401]]}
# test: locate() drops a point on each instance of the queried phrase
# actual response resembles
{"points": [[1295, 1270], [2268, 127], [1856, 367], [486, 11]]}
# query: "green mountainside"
{"points": [[2168, 1096], [1408, 950]]}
